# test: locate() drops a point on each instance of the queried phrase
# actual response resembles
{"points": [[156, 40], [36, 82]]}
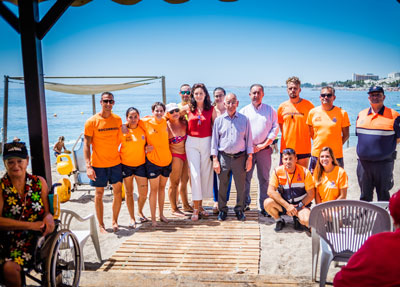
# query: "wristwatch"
{"points": [[300, 206]]}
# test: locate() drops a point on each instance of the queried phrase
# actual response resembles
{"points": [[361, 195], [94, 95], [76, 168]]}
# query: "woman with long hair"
{"points": [[330, 179], [133, 158], [158, 158], [177, 134], [201, 117]]}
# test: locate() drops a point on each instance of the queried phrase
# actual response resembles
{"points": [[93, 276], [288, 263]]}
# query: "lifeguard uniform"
{"points": [[295, 185], [132, 152], [376, 149], [160, 158], [106, 137], [295, 131], [331, 183]]}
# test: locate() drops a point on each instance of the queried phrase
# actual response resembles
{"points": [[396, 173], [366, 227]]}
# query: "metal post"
{"points": [[94, 104], [5, 113], [34, 89], [164, 94]]}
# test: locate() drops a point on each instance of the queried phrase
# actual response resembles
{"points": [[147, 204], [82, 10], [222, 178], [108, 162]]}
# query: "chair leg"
{"points": [[315, 254], [95, 237], [326, 259]]}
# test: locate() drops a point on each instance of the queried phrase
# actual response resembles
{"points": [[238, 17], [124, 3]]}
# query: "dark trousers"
{"points": [[375, 174], [236, 166]]}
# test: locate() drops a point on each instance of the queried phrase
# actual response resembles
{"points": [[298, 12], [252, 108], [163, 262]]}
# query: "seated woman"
{"points": [[330, 179], [177, 127], [24, 210]]}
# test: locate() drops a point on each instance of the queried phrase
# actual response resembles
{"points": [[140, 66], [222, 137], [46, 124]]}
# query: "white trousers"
{"points": [[201, 173]]}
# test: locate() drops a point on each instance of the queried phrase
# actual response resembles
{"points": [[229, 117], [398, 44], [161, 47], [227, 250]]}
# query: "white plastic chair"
{"points": [[342, 227], [66, 217]]}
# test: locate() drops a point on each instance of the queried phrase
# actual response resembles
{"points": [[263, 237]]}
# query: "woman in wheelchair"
{"points": [[24, 211]]}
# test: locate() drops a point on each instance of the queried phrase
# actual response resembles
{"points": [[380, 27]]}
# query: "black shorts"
{"points": [[153, 171], [105, 175], [128, 171]]}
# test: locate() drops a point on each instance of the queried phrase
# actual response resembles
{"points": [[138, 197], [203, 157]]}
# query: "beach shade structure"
{"points": [[32, 30], [341, 227]]}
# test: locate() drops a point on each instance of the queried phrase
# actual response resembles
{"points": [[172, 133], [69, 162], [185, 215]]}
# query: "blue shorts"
{"points": [[154, 171], [105, 175], [128, 171]]}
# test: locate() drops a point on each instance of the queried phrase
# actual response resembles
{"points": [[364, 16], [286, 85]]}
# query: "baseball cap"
{"points": [[375, 89], [394, 207], [15, 149], [171, 106]]}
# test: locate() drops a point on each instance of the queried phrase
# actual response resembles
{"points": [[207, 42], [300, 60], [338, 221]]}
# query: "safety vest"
{"points": [[376, 134]]}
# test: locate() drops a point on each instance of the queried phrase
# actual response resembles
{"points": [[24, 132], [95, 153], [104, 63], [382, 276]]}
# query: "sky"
{"points": [[217, 43]]}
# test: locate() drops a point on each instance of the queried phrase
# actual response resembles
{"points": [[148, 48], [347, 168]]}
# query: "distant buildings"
{"points": [[394, 75], [368, 76]]}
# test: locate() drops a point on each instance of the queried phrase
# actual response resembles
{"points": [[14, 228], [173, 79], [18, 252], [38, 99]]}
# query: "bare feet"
{"points": [[163, 219], [154, 223], [102, 229], [115, 227], [203, 212], [178, 213], [195, 215], [132, 225]]}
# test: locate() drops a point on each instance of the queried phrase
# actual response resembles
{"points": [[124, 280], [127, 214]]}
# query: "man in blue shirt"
{"points": [[232, 152]]}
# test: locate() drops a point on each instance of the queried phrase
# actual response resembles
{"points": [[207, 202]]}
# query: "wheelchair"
{"points": [[57, 259]]}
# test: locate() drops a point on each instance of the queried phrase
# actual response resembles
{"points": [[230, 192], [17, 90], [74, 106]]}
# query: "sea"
{"points": [[66, 114]]}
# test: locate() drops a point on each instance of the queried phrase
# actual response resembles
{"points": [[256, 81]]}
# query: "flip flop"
{"points": [[143, 219]]}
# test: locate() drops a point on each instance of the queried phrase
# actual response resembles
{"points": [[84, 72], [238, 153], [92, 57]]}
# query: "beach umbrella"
{"points": [[32, 30]]}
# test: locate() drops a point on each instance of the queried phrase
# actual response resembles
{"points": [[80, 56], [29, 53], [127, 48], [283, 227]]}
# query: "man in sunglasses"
{"points": [[232, 152], [103, 164], [378, 132], [185, 95], [328, 126]]}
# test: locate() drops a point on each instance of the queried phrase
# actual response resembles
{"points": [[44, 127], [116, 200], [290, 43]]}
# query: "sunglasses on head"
{"points": [[326, 95], [185, 92], [174, 111]]}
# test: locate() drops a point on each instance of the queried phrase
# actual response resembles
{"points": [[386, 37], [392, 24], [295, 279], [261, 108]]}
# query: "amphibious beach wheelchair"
{"points": [[57, 259]]}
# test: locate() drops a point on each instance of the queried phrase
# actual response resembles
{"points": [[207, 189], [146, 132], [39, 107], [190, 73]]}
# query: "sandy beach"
{"points": [[285, 253]]}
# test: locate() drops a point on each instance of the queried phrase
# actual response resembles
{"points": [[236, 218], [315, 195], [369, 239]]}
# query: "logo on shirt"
{"points": [[334, 119], [142, 137], [317, 119], [333, 185], [299, 177]]}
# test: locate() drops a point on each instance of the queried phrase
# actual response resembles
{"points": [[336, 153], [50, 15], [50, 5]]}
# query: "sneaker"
{"points": [[297, 225], [279, 225], [246, 208]]}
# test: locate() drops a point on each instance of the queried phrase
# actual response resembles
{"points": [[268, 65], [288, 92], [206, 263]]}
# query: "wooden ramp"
{"points": [[182, 245]]}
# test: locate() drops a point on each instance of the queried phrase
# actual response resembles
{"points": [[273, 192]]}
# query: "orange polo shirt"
{"points": [[105, 134], [295, 132], [157, 136], [331, 183], [132, 147], [327, 126]]}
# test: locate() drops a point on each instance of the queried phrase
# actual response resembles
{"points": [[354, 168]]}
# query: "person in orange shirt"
{"points": [[329, 126], [330, 179], [158, 158], [290, 191], [103, 164], [133, 160], [292, 116]]}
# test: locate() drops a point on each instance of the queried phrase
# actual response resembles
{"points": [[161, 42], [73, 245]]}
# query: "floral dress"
{"points": [[19, 245]]}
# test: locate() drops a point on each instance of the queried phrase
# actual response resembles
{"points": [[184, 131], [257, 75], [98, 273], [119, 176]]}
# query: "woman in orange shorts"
{"points": [[133, 160], [177, 127], [330, 179]]}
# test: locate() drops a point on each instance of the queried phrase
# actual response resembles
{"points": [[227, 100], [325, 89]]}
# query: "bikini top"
{"points": [[178, 139]]}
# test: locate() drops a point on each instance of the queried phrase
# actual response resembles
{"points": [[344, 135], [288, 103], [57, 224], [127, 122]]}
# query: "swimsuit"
{"points": [[176, 140]]}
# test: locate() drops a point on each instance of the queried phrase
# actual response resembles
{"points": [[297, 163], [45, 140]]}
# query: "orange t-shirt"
{"points": [[132, 147], [295, 132], [105, 134], [331, 184], [327, 126], [157, 136]]}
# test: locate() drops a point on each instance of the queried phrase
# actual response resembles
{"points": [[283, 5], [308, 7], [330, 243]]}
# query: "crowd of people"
{"points": [[208, 143]]}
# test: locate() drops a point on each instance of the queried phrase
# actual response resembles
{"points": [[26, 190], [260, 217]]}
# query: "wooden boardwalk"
{"points": [[184, 246]]}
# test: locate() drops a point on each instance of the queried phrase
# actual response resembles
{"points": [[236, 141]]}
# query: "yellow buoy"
{"points": [[64, 191], [55, 115], [81, 113]]}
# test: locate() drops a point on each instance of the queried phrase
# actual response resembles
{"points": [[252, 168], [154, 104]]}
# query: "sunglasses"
{"points": [[199, 120], [185, 92], [108, 101], [326, 95], [174, 111]]}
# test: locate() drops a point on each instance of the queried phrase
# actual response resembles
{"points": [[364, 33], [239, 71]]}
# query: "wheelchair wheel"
{"points": [[63, 267]]}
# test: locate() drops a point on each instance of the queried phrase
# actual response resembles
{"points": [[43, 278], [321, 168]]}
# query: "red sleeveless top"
{"points": [[199, 125]]}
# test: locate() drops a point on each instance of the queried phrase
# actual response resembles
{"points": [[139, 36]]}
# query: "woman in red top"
{"points": [[198, 147]]}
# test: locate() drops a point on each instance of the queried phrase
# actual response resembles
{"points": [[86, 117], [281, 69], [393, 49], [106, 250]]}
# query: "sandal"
{"points": [[203, 212], [195, 215], [215, 208], [143, 219], [178, 213]]}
